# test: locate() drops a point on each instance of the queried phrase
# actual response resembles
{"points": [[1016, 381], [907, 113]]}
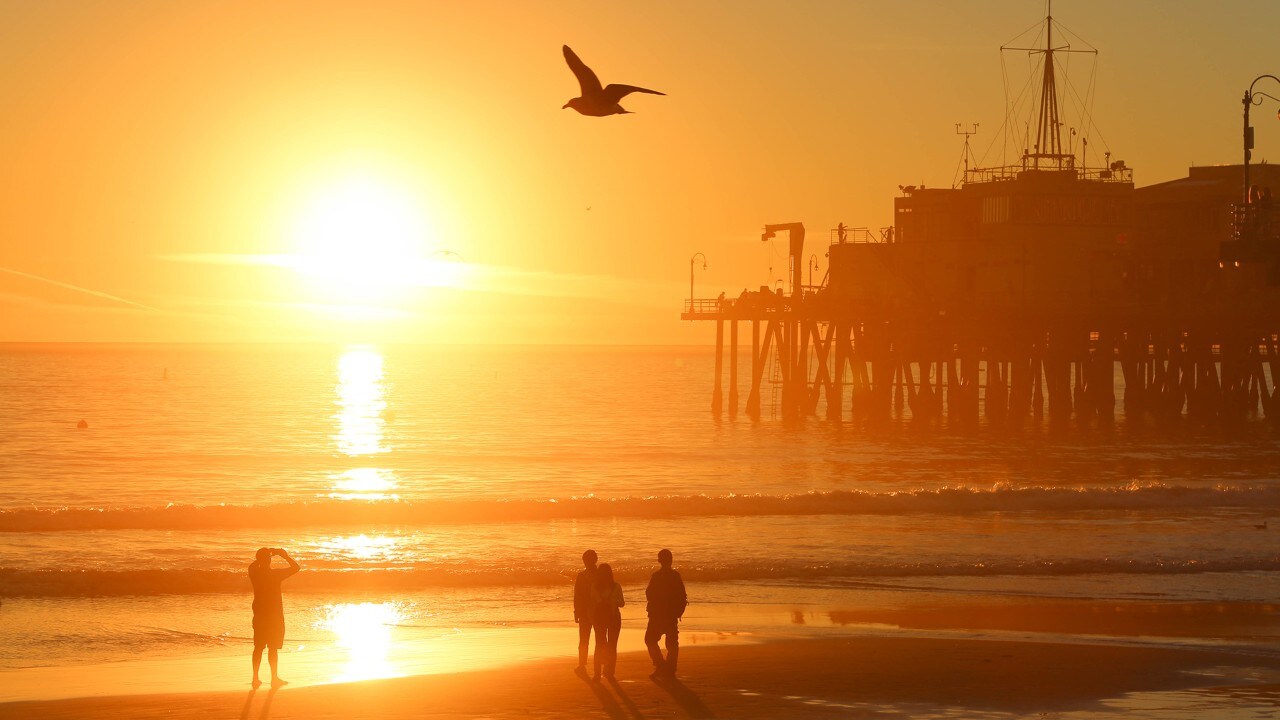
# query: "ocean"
{"points": [[431, 492]]}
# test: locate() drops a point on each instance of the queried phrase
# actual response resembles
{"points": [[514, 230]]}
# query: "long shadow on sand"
{"points": [[684, 697], [607, 702], [265, 711], [626, 699], [266, 704]]}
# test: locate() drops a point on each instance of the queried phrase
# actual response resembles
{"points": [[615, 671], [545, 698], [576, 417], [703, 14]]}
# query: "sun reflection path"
{"points": [[362, 547], [365, 484], [364, 631], [361, 421]]}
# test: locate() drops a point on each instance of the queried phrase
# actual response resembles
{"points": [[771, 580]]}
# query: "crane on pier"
{"points": [[796, 231]]}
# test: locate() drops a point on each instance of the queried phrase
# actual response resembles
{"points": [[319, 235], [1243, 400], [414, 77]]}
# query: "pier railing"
{"points": [[840, 236], [1010, 173], [703, 307]]}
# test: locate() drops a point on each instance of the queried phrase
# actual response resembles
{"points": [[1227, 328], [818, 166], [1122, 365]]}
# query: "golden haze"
{"points": [[161, 157]]}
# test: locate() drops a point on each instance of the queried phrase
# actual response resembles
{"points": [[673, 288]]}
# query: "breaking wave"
{"points": [[105, 583], [339, 513]]}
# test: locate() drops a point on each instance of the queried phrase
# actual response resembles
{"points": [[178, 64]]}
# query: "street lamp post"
{"points": [[704, 267], [813, 265], [1252, 98]]}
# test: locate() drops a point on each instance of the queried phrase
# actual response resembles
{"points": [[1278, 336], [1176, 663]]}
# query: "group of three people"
{"points": [[597, 605]]}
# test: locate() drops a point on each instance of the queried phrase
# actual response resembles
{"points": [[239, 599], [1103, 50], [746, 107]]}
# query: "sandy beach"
{"points": [[838, 677]]}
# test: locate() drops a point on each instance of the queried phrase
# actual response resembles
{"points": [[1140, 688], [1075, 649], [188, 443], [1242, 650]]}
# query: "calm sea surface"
{"points": [[441, 487]]}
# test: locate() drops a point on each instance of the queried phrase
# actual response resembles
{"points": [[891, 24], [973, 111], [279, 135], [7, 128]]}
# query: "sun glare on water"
{"points": [[363, 630], [360, 423], [365, 484], [360, 403], [361, 546]]}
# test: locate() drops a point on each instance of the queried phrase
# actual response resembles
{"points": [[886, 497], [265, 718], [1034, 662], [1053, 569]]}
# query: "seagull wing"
{"points": [[614, 92], [587, 79]]}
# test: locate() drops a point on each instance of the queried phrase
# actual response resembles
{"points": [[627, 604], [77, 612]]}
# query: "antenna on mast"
{"points": [[967, 153]]}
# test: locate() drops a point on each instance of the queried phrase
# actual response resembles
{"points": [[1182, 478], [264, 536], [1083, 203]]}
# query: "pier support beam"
{"points": [[733, 367], [996, 398], [757, 369], [950, 375], [717, 397], [837, 341]]}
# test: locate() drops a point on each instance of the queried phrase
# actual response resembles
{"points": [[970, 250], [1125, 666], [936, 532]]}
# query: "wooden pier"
{"points": [[1020, 291], [1167, 325], [1017, 293], [808, 363]]}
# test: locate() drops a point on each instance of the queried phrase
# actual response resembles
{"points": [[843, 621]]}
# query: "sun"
{"points": [[360, 234], [362, 238]]}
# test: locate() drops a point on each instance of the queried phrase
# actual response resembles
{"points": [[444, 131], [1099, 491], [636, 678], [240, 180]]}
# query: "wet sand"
{"points": [[837, 677]]}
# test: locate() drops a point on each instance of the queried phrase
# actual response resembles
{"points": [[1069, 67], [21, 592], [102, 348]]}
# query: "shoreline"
{"points": [[851, 675], [375, 646]]}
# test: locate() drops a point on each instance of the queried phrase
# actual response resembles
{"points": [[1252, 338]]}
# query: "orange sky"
{"points": [[168, 163]]}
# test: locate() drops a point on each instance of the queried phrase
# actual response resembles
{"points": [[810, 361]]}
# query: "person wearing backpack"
{"points": [[666, 603]]}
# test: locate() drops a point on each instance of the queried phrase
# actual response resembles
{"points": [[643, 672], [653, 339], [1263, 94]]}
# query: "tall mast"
{"points": [[1048, 151], [1048, 133]]}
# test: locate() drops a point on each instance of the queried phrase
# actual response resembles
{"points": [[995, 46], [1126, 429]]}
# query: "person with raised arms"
{"points": [[268, 610]]}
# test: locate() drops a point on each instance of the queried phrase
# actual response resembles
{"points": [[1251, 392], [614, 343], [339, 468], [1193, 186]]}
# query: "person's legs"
{"points": [[273, 658], [257, 662], [584, 642], [611, 662], [673, 646], [274, 643], [652, 632], [602, 646]]}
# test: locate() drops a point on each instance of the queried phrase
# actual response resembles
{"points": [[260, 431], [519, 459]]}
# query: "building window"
{"points": [[995, 210]]}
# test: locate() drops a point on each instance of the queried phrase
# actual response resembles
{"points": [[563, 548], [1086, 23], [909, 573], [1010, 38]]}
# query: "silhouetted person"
{"points": [[582, 604], [842, 232], [268, 610], [596, 100], [606, 599], [666, 603]]}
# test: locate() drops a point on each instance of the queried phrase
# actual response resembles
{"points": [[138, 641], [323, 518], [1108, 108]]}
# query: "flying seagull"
{"points": [[596, 100]]}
